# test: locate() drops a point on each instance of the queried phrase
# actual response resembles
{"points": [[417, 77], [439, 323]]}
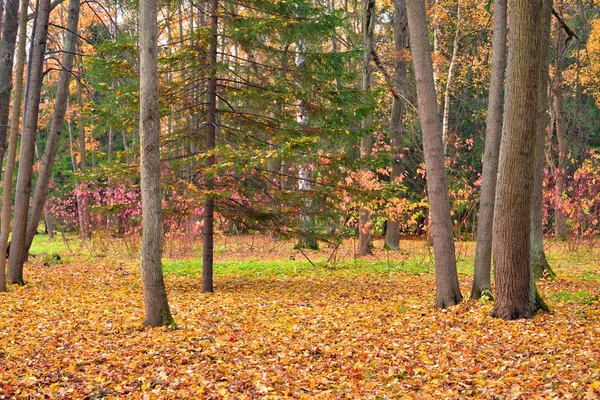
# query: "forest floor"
{"points": [[278, 327]]}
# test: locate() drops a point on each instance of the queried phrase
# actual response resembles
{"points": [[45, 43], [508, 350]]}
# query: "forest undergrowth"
{"points": [[278, 326]]}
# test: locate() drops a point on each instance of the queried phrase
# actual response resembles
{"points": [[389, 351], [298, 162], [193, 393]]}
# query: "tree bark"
{"points": [[483, 252], [14, 138], [539, 263], [365, 233], [28, 138], [447, 288], [450, 80], [392, 233], [561, 135], [211, 131], [511, 236], [7, 54], [58, 118], [155, 295]]}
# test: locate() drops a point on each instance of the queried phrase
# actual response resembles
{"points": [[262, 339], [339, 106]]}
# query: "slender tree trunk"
{"points": [[539, 263], [392, 233], [511, 237], [155, 295], [14, 138], [448, 290], [307, 223], [483, 252], [78, 196], [58, 118], [450, 80], [365, 233], [7, 54], [48, 223], [211, 131], [561, 135], [28, 138], [80, 123]]}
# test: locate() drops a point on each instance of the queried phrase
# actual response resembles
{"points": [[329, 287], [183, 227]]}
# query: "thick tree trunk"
{"points": [[14, 138], [365, 234], [483, 252], [211, 131], [155, 295], [392, 233], [511, 237], [7, 54], [561, 135], [448, 290], [28, 138], [58, 118], [450, 79], [539, 263]]}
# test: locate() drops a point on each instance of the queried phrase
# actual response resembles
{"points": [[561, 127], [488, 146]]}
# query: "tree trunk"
{"points": [[448, 290], [7, 54], [511, 236], [28, 138], [211, 131], [450, 80], [539, 263], [155, 295], [14, 138], [80, 123], [392, 233], [307, 223], [78, 197], [58, 118], [561, 135], [365, 233], [483, 252]]}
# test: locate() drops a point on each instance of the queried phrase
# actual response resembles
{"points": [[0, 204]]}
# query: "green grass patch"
{"points": [[43, 244], [580, 297], [255, 267]]}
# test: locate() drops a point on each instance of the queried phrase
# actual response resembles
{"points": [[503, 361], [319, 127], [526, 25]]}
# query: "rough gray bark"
{"points": [[511, 236], [7, 54], [58, 118], [211, 131], [28, 138], [365, 233], [483, 252], [539, 263], [392, 233], [448, 290], [14, 138], [155, 294]]}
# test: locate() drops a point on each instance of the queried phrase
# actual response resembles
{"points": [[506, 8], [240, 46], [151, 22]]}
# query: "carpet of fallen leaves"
{"points": [[74, 331]]}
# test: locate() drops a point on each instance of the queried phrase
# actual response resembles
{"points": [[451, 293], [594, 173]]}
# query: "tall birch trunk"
{"points": [[58, 118], [450, 78], [392, 233], [447, 288], [28, 138], [483, 253], [155, 294]]}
